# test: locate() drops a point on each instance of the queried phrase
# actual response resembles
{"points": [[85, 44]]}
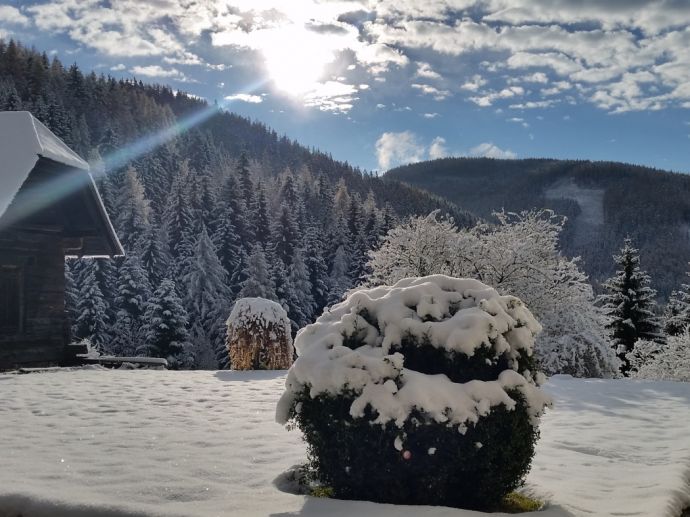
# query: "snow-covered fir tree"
{"points": [[133, 292], [630, 305], [90, 309], [154, 253], [299, 299], [207, 297], [677, 311], [165, 332], [132, 208], [259, 282]]}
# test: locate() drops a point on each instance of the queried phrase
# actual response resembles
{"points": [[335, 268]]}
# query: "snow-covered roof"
{"points": [[23, 141]]}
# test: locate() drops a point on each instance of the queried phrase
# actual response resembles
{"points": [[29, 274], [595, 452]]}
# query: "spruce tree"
{"points": [[90, 321], [284, 235], [165, 329], [630, 305], [207, 298], [677, 311], [299, 299], [133, 209], [133, 292], [245, 179], [262, 222], [154, 253], [259, 282], [228, 242], [339, 280]]}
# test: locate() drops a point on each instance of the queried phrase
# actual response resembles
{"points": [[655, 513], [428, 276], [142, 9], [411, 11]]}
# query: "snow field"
{"points": [[197, 443]]}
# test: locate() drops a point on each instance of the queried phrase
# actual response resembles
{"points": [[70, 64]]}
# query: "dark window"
{"points": [[10, 299]]}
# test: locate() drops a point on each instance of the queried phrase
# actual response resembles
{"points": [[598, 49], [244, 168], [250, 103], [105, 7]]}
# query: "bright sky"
{"points": [[378, 83]]}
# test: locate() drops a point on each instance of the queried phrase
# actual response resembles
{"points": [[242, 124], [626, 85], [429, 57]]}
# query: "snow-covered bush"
{"points": [[259, 335], [420, 393], [669, 361]]}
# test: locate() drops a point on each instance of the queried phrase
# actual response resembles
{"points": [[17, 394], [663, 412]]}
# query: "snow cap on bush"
{"points": [[352, 347]]}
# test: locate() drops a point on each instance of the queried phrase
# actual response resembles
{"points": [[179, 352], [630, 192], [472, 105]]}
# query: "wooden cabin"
{"points": [[49, 209]]}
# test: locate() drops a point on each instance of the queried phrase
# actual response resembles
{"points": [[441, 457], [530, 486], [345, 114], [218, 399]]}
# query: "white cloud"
{"points": [[119, 67], [398, 148], [13, 16], [532, 105], [474, 84], [536, 77], [437, 149], [331, 96], [245, 97], [159, 71], [598, 51], [425, 70], [489, 150], [488, 98], [427, 89], [431, 115]]}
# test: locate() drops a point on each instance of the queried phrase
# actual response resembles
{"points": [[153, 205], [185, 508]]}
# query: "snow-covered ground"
{"points": [[93, 442]]}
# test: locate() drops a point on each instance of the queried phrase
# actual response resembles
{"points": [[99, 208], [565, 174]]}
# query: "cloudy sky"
{"points": [[380, 83]]}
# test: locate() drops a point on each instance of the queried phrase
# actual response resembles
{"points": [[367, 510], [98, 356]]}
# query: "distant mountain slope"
{"points": [[604, 202]]}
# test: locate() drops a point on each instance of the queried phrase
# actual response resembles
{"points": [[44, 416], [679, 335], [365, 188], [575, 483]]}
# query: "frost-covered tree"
{"points": [[667, 362], [339, 280], [418, 247], [259, 283], [178, 215], [154, 253], [630, 304], [165, 331], [132, 209], [260, 218], [677, 311], [206, 294], [90, 321], [284, 235], [299, 299], [228, 243], [317, 267], [575, 341], [518, 255], [133, 291]]}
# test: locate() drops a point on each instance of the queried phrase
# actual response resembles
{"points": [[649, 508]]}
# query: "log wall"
{"points": [[40, 337]]}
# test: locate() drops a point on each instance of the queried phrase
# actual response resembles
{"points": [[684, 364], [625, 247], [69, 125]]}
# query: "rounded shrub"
{"points": [[420, 393]]}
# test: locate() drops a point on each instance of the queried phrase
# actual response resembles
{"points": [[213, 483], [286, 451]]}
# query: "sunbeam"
{"points": [[63, 184]]}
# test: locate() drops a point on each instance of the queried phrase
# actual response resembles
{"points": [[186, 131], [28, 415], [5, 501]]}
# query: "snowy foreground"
{"points": [[113, 443]]}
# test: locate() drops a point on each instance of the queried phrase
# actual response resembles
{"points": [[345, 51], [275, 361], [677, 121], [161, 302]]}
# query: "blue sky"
{"points": [[379, 83]]}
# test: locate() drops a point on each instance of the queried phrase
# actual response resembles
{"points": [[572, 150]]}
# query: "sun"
{"points": [[296, 60]]}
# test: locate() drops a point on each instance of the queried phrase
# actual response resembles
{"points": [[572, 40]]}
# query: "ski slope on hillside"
{"points": [[129, 443]]}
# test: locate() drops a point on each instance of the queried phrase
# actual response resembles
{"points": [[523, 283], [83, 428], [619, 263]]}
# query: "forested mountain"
{"points": [[223, 209], [604, 202]]}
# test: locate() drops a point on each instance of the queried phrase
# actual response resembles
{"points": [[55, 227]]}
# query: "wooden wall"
{"points": [[40, 338]]}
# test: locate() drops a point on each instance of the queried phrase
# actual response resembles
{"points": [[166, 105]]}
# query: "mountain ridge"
{"points": [[603, 200]]}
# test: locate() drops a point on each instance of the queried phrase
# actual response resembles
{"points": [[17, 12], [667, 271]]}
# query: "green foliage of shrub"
{"points": [[359, 461]]}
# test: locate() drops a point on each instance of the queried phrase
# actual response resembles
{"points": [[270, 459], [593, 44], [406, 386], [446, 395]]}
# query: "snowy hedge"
{"points": [[420, 393], [259, 335]]}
